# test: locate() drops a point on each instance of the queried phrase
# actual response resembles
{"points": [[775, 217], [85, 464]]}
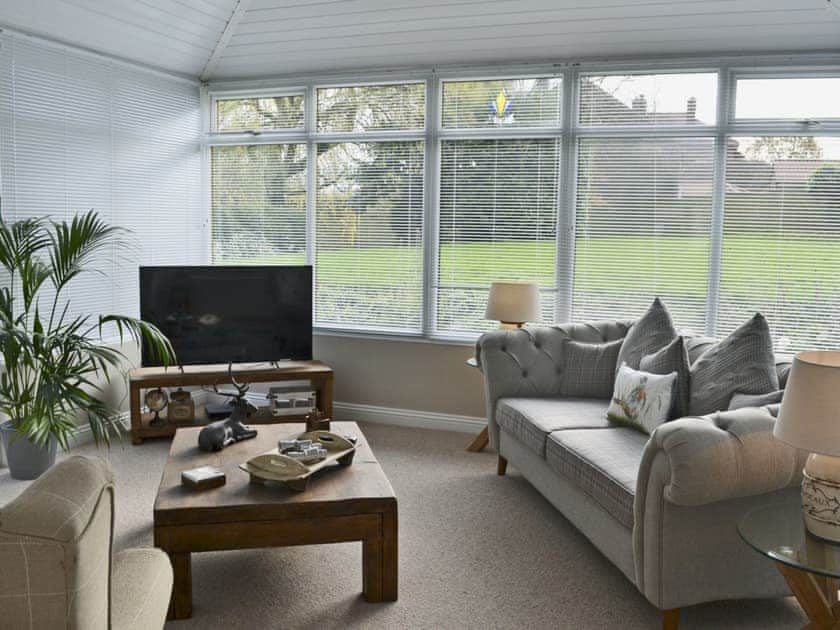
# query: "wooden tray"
{"points": [[293, 473]]}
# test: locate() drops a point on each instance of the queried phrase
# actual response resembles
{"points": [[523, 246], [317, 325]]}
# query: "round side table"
{"points": [[810, 565]]}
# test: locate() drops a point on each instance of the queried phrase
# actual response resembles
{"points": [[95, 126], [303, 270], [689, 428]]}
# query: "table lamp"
{"points": [[513, 303], [810, 419]]}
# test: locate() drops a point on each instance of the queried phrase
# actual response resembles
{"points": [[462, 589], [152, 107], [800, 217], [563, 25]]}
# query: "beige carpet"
{"points": [[476, 551]]}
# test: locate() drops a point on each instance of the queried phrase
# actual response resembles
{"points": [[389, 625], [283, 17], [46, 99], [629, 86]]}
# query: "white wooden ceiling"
{"points": [[226, 39]]}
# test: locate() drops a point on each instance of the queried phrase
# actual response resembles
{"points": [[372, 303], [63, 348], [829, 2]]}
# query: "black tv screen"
{"points": [[223, 314]]}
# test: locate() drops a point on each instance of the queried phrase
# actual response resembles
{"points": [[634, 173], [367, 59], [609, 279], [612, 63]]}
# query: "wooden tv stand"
{"points": [[319, 374]]}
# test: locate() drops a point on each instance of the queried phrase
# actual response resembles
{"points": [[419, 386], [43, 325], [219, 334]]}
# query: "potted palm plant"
{"points": [[55, 364]]}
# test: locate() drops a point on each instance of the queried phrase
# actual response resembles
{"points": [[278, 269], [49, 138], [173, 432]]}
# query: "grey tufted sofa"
{"points": [[662, 508]]}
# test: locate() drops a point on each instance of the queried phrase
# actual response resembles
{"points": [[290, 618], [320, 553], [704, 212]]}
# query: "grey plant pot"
{"points": [[26, 461]]}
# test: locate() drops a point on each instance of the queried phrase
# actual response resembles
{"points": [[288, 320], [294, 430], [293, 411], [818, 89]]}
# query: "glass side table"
{"points": [[810, 565]]}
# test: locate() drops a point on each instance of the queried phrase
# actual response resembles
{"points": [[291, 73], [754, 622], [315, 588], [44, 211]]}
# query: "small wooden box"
{"points": [[203, 478]]}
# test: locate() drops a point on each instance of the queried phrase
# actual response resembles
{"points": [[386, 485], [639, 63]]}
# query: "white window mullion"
{"points": [[719, 191], [311, 179], [431, 206], [566, 201]]}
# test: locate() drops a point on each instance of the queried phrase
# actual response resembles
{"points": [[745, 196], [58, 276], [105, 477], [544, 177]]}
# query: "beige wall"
{"points": [[424, 376]]}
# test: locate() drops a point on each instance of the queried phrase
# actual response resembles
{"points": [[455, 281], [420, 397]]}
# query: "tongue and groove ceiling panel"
{"points": [[231, 39]]}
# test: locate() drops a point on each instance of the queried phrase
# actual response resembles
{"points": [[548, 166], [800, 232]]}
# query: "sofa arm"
{"points": [[721, 456], [697, 478]]}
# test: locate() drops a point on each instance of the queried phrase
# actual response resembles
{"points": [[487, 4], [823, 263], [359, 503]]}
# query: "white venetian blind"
{"points": [[643, 221], [366, 108], [781, 243], [258, 204], [502, 103], [81, 132], [270, 113], [369, 236], [498, 217]]}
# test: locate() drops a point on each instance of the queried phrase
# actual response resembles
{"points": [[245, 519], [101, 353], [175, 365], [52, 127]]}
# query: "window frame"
{"points": [[223, 95], [568, 133]]}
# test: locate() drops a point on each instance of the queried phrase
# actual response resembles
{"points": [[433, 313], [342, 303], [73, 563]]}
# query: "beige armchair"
{"points": [[56, 564]]}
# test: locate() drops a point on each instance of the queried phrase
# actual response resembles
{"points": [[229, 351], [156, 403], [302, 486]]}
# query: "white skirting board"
{"points": [[352, 411], [408, 417]]}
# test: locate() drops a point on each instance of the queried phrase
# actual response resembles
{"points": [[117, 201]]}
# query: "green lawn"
{"points": [[752, 265]]}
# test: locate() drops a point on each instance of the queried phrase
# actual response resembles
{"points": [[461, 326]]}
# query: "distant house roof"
{"points": [[797, 172]]}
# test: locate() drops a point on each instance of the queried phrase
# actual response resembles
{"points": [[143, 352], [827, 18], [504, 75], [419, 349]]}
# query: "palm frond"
{"points": [[21, 241], [74, 244]]}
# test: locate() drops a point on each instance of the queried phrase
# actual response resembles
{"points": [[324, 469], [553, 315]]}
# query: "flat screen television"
{"points": [[223, 314]]}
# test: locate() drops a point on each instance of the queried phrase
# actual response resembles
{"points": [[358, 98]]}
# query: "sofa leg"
{"points": [[501, 468], [671, 619]]}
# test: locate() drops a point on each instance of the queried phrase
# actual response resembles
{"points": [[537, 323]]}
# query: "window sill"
{"points": [[445, 340]]}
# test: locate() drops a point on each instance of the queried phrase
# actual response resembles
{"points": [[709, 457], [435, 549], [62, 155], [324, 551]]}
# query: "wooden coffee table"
{"points": [[341, 504]]}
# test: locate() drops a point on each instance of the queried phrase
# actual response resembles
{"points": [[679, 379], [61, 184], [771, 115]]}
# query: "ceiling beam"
{"points": [[218, 50]]}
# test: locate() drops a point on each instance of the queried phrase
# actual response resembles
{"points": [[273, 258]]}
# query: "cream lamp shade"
{"points": [[513, 302], [810, 414], [810, 419]]}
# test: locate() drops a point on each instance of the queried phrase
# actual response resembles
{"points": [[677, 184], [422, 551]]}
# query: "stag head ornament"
{"points": [[217, 435]]}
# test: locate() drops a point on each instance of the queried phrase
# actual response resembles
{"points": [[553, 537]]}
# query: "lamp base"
{"points": [[510, 325], [821, 496]]}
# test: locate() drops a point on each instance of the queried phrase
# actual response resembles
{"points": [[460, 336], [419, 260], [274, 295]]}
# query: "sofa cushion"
{"points": [[672, 358], [589, 369], [653, 331], [742, 362], [604, 464], [642, 400], [530, 420]]}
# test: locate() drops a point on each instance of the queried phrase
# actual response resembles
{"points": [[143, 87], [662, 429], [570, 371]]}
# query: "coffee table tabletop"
{"points": [[340, 504]]}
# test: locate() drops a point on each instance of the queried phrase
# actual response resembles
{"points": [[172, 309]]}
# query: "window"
{"points": [[371, 108], [606, 188], [258, 204], [655, 100], [644, 203], [781, 243], [267, 113], [501, 103], [369, 236], [644, 208], [369, 210], [788, 98], [498, 197]]}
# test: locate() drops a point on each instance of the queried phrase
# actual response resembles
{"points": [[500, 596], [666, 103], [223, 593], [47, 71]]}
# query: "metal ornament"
{"points": [[217, 435]]}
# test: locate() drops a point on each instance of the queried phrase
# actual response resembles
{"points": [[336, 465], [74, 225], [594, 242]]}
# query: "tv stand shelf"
{"points": [[318, 373]]}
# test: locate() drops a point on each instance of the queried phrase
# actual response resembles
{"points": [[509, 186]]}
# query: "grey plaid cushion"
{"points": [[589, 370], [530, 420], [604, 463], [653, 331], [672, 358], [742, 362]]}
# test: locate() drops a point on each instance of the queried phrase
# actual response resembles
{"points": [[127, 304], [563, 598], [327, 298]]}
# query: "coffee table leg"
{"points": [[379, 562], [180, 607]]}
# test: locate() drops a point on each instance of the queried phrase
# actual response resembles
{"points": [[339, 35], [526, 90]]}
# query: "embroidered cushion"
{"points": [[641, 400]]}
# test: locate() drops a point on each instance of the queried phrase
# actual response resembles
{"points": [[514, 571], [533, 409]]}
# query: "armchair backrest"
{"points": [[55, 549]]}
